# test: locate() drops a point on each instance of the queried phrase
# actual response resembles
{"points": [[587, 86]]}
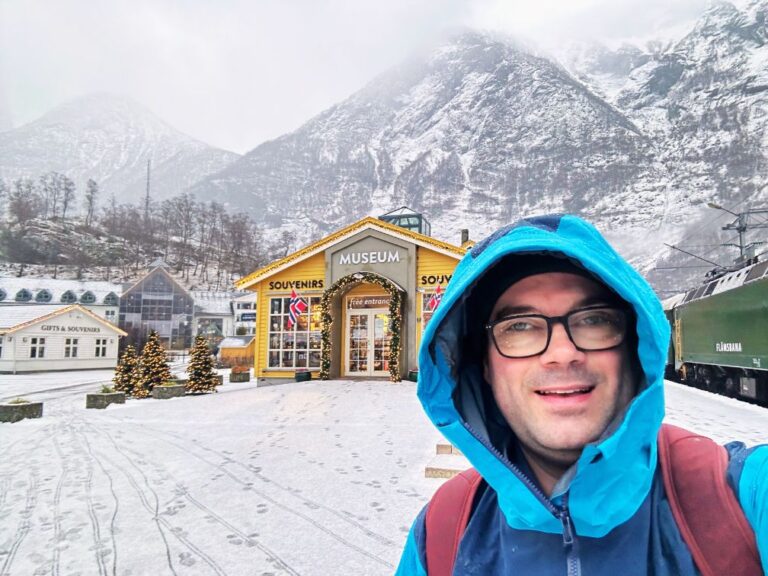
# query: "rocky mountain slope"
{"points": [[703, 102], [482, 130], [473, 134], [109, 139]]}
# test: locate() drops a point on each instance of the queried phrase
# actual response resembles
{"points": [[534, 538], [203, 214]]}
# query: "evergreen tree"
{"points": [[153, 367], [202, 377], [126, 371]]}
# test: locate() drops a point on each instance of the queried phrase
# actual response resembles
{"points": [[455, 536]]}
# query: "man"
{"points": [[544, 365]]}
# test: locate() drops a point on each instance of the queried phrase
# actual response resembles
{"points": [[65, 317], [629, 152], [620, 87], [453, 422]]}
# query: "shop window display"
{"points": [[295, 346], [426, 312]]}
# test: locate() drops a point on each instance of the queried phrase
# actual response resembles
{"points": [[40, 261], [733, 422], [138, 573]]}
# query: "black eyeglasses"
{"points": [[590, 329]]}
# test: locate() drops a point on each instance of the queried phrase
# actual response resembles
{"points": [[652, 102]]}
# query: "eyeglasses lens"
{"points": [[590, 329]]}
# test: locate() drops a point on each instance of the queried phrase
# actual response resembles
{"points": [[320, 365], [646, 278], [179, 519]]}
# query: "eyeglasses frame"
{"points": [[563, 320]]}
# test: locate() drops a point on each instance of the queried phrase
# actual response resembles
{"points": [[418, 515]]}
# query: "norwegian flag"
{"points": [[296, 308], [435, 299]]}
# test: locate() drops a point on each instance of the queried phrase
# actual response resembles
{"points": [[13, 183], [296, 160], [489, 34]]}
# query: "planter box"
{"points": [[165, 392], [413, 375], [303, 376], [220, 378], [16, 412], [240, 377], [101, 400]]}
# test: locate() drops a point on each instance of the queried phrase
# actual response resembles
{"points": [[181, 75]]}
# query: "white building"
{"points": [[102, 298], [45, 337], [245, 314]]}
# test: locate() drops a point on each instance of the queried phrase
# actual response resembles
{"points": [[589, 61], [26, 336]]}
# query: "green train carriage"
{"points": [[720, 334]]}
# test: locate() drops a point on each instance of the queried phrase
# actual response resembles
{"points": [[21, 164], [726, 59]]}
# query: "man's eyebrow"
{"points": [[513, 310], [596, 300]]}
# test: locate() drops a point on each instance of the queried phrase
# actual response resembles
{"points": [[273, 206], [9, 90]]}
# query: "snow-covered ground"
{"points": [[303, 478]]}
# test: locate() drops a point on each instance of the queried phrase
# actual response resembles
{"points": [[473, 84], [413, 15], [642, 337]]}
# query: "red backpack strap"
{"points": [[705, 508], [446, 519]]}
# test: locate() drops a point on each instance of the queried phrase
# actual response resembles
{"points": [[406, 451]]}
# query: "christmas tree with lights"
{"points": [[153, 367], [126, 371], [202, 377]]}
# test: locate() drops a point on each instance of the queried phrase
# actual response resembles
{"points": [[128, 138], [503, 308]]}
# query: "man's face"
{"points": [[550, 425]]}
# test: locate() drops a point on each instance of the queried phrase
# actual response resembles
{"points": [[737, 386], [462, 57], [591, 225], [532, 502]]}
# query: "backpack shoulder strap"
{"points": [[446, 519], [705, 508]]}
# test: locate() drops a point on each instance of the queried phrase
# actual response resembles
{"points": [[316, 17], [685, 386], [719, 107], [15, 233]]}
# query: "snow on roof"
{"points": [[245, 297], [14, 317], [100, 289], [235, 342], [403, 210], [219, 303]]}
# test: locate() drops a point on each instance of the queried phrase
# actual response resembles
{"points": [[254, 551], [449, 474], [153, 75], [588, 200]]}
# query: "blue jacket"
{"points": [[609, 514]]}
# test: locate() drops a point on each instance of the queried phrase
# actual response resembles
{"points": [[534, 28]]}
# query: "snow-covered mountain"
{"points": [[475, 133], [472, 134], [482, 130], [109, 138], [703, 102]]}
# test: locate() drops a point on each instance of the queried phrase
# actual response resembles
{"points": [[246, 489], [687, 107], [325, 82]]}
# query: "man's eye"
{"points": [[596, 319], [519, 326]]}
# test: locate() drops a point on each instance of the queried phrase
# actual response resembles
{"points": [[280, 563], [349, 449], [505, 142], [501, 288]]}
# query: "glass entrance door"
{"points": [[368, 343], [357, 360]]}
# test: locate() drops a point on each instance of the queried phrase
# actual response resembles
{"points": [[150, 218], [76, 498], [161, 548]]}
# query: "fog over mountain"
{"points": [[478, 131], [473, 134], [110, 139]]}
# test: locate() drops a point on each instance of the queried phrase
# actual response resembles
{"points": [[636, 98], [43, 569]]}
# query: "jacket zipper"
{"points": [[573, 562]]}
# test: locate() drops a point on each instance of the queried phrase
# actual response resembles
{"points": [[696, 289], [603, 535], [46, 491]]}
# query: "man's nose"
{"points": [[561, 349]]}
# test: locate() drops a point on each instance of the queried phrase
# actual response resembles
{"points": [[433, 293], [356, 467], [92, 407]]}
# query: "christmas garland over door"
{"points": [[395, 319]]}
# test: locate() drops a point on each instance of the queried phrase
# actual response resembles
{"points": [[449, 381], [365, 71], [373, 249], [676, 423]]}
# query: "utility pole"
{"points": [[146, 198], [743, 223]]}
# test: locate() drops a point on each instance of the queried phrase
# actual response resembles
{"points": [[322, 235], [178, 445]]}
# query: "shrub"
{"points": [[19, 400], [106, 389], [240, 369]]}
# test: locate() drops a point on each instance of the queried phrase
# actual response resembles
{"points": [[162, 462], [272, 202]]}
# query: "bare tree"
{"points": [[91, 194], [67, 195], [24, 201], [4, 190], [183, 218], [110, 219]]}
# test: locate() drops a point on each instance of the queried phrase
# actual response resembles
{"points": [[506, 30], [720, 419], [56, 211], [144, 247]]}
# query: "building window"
{"points": [[23, 295], [70, 348], [426, 313], [1, 346], [297, 346], [37, 348], [109, 315], [68, 297], [43, 296], [3, 294], [111, 299], [101, 347], [88, 298]]}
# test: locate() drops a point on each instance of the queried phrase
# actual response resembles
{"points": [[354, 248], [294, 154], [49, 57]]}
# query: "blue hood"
{"points": [[613, 476]]}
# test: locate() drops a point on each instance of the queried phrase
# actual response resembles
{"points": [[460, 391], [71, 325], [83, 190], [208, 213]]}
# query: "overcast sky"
{"points": [[235, 73]]}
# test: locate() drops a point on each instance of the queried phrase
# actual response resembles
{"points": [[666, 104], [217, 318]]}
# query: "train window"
{"points": [[689, 295], [757, 271], [710, 288], [699, 292]]}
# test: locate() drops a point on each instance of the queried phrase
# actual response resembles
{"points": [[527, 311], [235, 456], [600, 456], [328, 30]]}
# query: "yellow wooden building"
{"points": [[366, 289]]}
